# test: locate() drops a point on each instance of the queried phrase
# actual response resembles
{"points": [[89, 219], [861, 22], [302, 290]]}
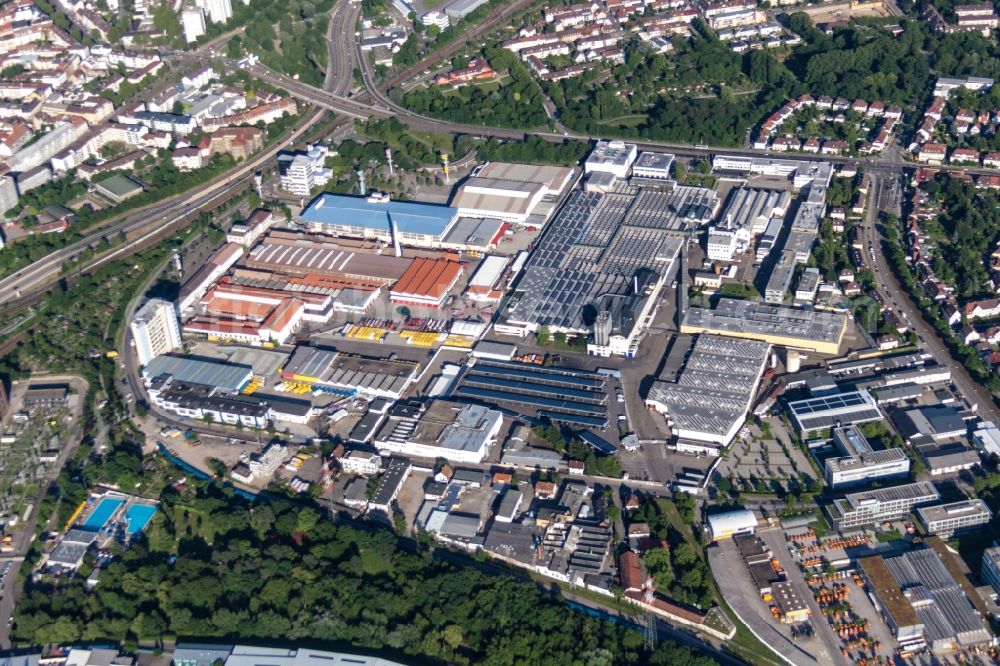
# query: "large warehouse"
{"points": [[204, 371], [924, 602], [426, 283], [507, 200], [297, 256], [815, 331], [326, 370], [378, 217], [709, 402]]}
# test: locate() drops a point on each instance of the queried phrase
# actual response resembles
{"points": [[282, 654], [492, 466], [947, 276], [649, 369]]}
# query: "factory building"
{"points": [[990, 572], [454, 431], [326, 370], [377, 217], [709, 402], [229, 377], [925, 602], [216, 266], [609, 253], [426, 283], [786, 327], [484, 285], [653, 167], [155, 330], [508, 200]]}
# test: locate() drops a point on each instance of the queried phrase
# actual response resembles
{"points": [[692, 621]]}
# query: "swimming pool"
{"points": [[137, 517], [102, 514]]}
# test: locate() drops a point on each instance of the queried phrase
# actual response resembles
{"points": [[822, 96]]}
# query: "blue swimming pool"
{"points": [[102, 514], [137, 517]]}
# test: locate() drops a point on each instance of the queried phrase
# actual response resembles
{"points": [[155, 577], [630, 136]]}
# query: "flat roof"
{"points": [[753, 318], [593, 249], [829, 410], [908, 491], [196, 370], [554, 178], [119, 185], [788, 598], [715, 388], [887, 590], [305, 257], [650, 160], [411, 218], [955, 510]]}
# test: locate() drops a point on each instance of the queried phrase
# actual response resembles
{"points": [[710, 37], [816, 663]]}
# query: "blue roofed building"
{"points": [[376, 217]]}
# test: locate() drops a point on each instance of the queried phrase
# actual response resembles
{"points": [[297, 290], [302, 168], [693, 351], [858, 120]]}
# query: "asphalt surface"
{"points": [[897, 299]]}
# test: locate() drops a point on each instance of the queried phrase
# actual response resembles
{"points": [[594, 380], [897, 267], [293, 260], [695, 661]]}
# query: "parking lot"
{"points": [[764, 460]]}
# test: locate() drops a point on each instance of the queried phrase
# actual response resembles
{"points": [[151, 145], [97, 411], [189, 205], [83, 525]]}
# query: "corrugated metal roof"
{"points": [[410, 218]]}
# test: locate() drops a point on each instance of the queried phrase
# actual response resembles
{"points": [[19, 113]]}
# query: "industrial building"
{"points": [[197, 401], [326, 370], [812, 415], [653, 166], [485, 284], [799, 242], [791, 603], [925, 603], [426, 282], [875, 506], [155, 330], [602, 266], [554, 179], [729, 524], [930, 424], [613, 157], [442, 429], [215, 267], [227, 377], [377, 217], [508, 200], [575, 398], [786, 327], [859, 462], [709, 402], [946, 520], [397, 470]]}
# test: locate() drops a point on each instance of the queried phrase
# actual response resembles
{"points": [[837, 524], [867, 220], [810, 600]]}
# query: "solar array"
{"points": [[595, 246], [839, 409], [561, 394]]}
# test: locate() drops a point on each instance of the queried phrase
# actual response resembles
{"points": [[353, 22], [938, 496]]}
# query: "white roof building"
{"points": [[726, 525]]}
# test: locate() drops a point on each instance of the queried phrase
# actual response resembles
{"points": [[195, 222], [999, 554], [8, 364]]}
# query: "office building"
{"points": [[859, 462], [990, 572], [301, 173], [925, 602], [870, 507], [217, 11], [653, 166], [155, 330], [946, 520]]}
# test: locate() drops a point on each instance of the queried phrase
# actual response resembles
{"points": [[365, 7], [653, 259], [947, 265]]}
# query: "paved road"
{"points": [[898, 300]]}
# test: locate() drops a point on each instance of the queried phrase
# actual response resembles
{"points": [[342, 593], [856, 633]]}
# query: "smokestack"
{"points": [[395, 239], [361, 182], [388, 155]]}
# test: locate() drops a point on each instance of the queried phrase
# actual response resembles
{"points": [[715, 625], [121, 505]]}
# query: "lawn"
{"points": [[626, 122]]}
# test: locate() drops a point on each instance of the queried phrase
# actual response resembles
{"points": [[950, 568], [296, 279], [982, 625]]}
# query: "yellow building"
{"points": [[811, 330]]}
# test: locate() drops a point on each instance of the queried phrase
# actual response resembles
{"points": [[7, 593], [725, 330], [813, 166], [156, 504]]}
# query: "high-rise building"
{"points": [[217, 11], [155, 330], [4, 400], [193, 21]]}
